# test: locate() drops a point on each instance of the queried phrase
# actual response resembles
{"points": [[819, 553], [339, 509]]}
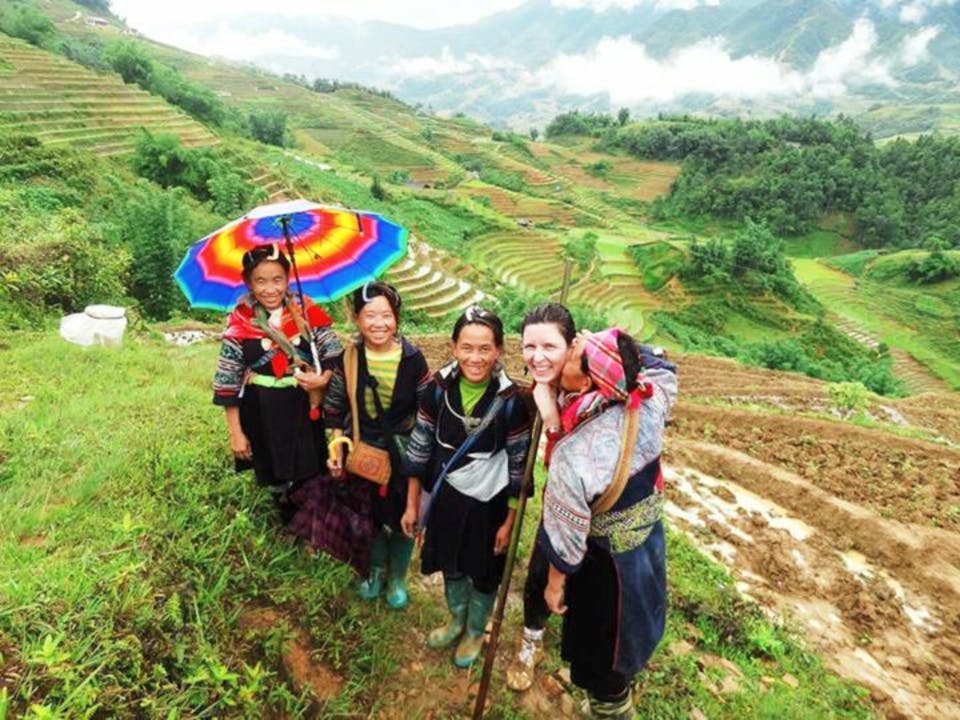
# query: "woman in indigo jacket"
{"points": [[468, 523], [607, 573], [397, 371]]}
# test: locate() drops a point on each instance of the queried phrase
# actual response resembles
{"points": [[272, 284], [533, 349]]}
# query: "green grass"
{"points": [[130, 552]]}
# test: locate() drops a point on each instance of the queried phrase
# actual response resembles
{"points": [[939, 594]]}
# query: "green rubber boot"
{"points": [[401, 548], [458, 596], [478, 612], [370, 587]]}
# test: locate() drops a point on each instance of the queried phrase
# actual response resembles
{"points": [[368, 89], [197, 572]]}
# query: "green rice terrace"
{"points": [[812, 462]]}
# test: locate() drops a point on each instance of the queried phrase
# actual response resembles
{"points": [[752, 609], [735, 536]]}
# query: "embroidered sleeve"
{"points": [[328, 346], [420, 447], [518, 442], [228, 377], [566, 517], [335, 410]]}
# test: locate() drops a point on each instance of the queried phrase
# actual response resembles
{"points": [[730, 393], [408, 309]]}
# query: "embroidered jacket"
{"points": [[582, 468], [441, 428]]}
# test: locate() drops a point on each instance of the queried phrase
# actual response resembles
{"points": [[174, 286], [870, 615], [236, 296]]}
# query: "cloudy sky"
{"points": [[611, 66]]}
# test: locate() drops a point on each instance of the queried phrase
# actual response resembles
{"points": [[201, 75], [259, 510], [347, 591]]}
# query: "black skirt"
{"points": [[287, 445], [460, 535]]}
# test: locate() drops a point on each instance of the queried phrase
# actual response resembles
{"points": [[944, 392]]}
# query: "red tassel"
{"points": [[314, 414], [383, 490]]}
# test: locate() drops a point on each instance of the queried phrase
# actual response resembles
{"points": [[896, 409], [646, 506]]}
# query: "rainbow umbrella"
{"points": [[333, 250]]}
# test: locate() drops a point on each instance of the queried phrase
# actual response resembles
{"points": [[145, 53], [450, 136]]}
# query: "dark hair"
{"points": [[261, 254], [629, 358], [553, 313], [368, 291], [476, 315]]}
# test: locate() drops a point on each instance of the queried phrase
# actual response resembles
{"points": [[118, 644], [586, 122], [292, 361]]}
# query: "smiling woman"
{"points": [[468, 451], [263, 382]]}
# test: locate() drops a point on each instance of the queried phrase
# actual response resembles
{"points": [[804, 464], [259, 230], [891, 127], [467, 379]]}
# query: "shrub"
{"points": [[163, 159], [65, 268], [157, 227], [581, 250], [269, 126], [935, 267], [231, 195], [28, 24]]}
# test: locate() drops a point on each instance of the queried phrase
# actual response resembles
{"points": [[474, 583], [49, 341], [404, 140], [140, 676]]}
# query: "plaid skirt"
{"points": [[336, 516]]}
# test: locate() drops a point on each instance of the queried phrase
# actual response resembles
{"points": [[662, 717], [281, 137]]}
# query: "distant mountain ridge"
{"points": [[513, 68]]}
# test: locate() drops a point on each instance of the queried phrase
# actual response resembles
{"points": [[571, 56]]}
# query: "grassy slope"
{"points": [[134, 559], [922, 320]]}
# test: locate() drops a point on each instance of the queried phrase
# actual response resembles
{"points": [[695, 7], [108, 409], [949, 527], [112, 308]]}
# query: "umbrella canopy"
{"points": [[335, 251]]}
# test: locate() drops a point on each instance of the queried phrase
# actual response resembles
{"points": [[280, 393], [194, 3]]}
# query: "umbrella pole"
{"points": [[285, 224], [526, 489]]}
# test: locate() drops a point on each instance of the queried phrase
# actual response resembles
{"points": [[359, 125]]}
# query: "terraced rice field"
{"points": [[62, 103], [874, 313], [528, 258], [520, 206], [430, 280]]}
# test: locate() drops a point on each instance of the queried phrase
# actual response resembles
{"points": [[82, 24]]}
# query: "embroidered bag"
{"points": [[365, 460]]}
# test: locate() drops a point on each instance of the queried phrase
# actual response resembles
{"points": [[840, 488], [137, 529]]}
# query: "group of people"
{"points": [[441, 456]]}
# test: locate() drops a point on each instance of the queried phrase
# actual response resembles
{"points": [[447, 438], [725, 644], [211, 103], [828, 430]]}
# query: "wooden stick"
{"points": [[525, 490]]}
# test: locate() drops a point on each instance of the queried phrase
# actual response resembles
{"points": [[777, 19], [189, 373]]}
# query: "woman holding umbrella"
{"points": [[265, 377], [468, 451], [391, 377]]}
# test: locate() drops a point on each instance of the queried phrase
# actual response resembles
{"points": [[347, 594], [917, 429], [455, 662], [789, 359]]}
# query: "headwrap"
{"points": [[248, 321], [609, 378]]}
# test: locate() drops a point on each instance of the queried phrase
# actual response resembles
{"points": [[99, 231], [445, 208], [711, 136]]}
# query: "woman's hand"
{"points": [[309, 380], [502, 540], [408, 522], [240, 445], [335, 464], [545, 396], [556, 581], [554, 597]]}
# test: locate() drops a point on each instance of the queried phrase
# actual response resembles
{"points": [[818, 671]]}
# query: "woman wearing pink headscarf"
{"points": [[601, 530]]}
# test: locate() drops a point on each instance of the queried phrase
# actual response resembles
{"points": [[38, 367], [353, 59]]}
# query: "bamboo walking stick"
{"points": [[525, 490]]}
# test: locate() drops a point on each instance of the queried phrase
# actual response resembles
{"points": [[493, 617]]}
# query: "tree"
{"points": [[130, 61], [581, 250], [28, 24], [157, 227], [269, 126], [377, 189], [534, 134], [623, 116]]}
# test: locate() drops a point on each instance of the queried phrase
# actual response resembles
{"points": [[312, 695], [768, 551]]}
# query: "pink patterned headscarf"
{"points": [[607, 373]]}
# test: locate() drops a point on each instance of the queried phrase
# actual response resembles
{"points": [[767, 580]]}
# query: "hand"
{"points": [[309, 380], [545, 397], [240, 445], [335, 465], [554, 597], [502, 541], [408, 523]]}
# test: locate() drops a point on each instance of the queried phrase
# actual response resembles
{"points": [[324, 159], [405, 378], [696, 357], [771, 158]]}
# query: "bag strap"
{"points": [[396, 457], [628, 441], [491, 414], [350, 368], [279, 339]]}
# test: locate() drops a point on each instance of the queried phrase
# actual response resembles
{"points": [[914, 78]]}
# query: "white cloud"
{"points": [[622, 68], [446, 64], [157, 18], [914, 48], [603, 5], [914, 11], [850, 62], [236, 45]]}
